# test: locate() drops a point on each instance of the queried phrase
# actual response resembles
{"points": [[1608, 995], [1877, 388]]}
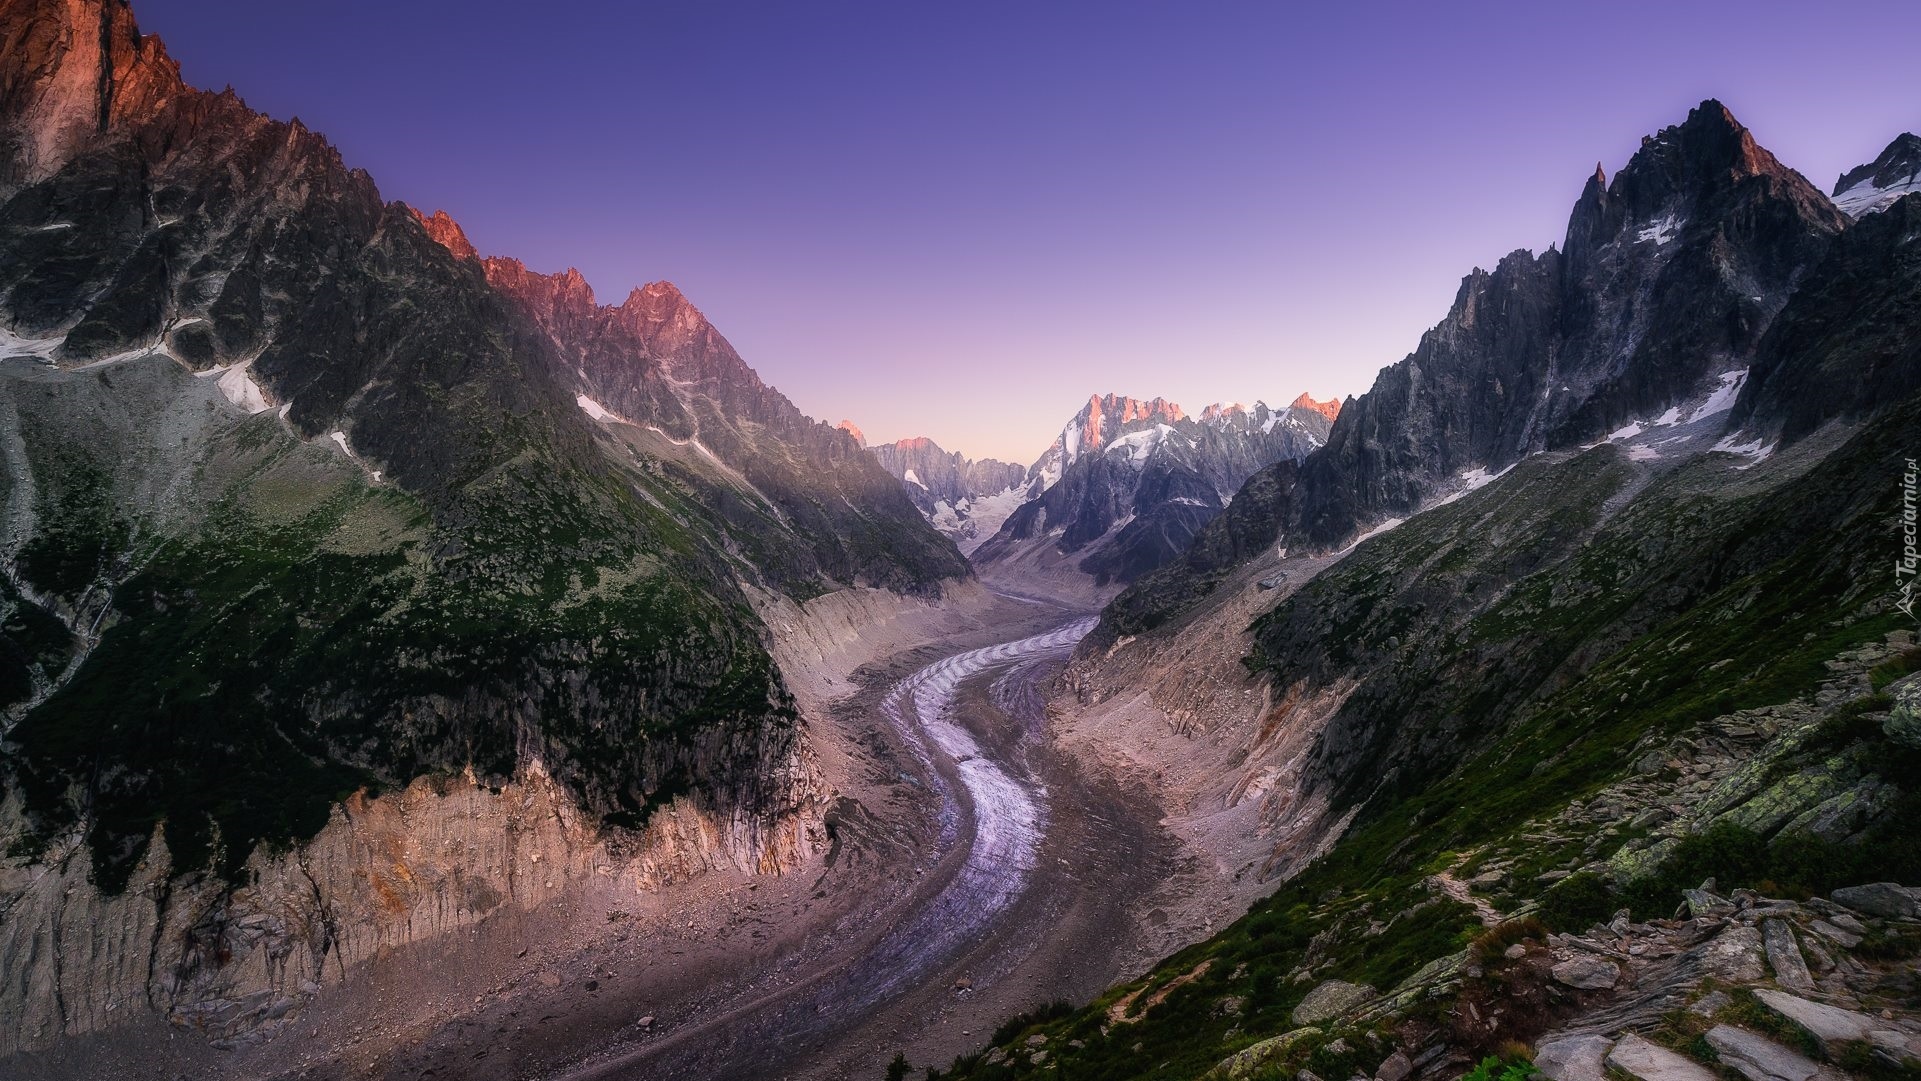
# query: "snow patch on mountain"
{"points": [[1723, 397], [1371, 534], [15, 345], [1755, 450], [594, 409], [1662, 231], [237, 383], [1140, 445], [1866, 198]]}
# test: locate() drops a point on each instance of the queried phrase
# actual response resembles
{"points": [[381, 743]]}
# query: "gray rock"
{"points": [[1330, 1000], [1247, 1060], [1904, 720], [1835, 934], [1880, 899], [1735, 955], [1847, 923], [1710, 1004], [1653, 1063], [1832, 1024], [1784, 956], [1515, 952], [1587, 973], [1703, 903], [1760, 1059], [1396, 1068], [1573, 1058]]}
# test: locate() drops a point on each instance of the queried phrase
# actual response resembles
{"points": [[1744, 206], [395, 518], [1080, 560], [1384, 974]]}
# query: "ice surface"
{"points": [[1864, 198]]}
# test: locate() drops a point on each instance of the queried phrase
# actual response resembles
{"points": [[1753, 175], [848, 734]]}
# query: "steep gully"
{"points": [[1032, 865]]}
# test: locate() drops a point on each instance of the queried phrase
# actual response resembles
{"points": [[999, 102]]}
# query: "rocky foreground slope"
{"points": [[1593, 598], [358, 591]]}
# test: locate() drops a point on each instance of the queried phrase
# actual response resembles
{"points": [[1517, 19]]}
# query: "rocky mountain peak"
{"points": [[1865, 189], [1220, 410], [552, 298], [447, 233], [1329, 409], [853, 430], [1105, 414], [1900, 161], [662, 316], [69, 71], [1697, 170]]}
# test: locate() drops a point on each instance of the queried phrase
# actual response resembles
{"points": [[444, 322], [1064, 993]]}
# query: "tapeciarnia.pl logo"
{"points": [[1905, 567]]}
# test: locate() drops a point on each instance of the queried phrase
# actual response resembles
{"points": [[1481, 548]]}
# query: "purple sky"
{"points": [[959, 220]]}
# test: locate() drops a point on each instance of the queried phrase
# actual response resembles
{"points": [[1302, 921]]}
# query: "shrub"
{"points": [[1495, 1068], [1506, 933], [1577, 902]]}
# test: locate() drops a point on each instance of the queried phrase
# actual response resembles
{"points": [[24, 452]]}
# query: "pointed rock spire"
{"points": [[446, 232]]}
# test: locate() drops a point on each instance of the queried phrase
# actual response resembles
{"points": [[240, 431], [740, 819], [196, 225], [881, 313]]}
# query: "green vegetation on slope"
{"points": [[1528, 655]]}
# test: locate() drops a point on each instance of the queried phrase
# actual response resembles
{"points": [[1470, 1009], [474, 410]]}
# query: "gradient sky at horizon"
{"points": [[959, 221]]}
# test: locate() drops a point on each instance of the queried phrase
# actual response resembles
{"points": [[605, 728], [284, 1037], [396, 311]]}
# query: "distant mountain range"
{"points": [[1122, 488]]}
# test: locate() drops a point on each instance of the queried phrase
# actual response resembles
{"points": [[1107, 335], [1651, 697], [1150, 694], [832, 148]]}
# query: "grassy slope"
{"points": [[1771, 603], [312, 634]]}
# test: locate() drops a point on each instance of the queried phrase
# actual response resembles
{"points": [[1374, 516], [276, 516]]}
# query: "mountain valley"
{"points": [[412, 666]]}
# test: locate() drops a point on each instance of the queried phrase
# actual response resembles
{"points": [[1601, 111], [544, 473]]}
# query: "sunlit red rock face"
{"points": [[1329, 409], [70, 85], [447, 233], [1110, 412], [853, 430]]}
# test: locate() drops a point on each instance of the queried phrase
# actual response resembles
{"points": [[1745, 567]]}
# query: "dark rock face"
{"points": [[1251, 523], [1129, 484], [938, 476], [1668, 279], [656, 361], [427, 557], [1849, 342], [1875, 186]]}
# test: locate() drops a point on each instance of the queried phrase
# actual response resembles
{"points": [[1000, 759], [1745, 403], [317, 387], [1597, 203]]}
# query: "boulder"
{"points": [[1703, 903], [1832, 1024], [1784, 956], [1651, 1062], [1710, 1004], [1760, 1059], [1587, 973], [1734, 955], [1829, 931], [1330, 1000], [1886, 899], [1395, 1068], [1248, 1060], [1573, 1058]]}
